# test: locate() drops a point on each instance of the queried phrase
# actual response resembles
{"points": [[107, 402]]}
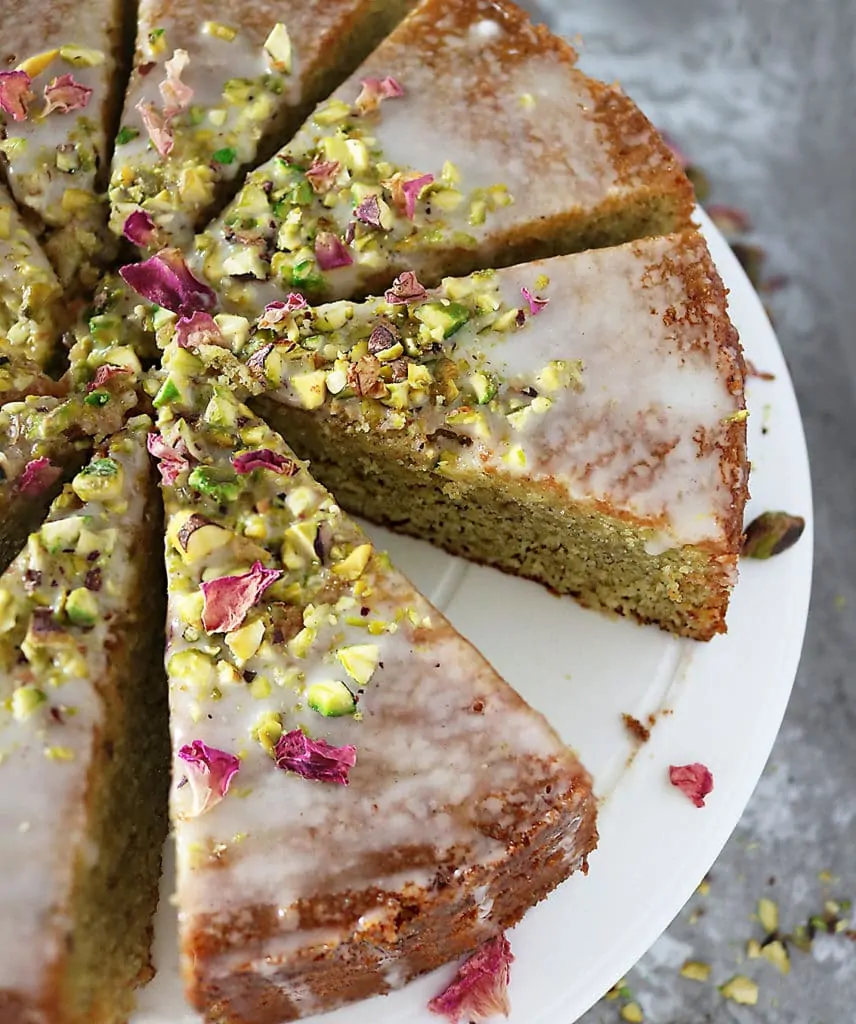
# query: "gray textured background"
{"points": [[762, 94]]}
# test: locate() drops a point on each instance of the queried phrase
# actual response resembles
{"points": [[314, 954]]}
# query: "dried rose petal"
{"points": [[105, 373], [331, 252], [411, 190], [210, 774], [175, 94], [139, 228], [314, 759], [15, 91], [535, 304], [275, 312], [197, 329], [368, 212], [322, 175], [694, 780], [405, 288], [158, 127], [374, 91], [264, 458], [730, 220], [37, 476], [166, 280], [63, 95], [480, 988], [227, 599], [171, 461]]}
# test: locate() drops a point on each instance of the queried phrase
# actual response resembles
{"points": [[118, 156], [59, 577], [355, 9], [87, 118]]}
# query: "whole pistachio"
{"points": [[771, 534]]}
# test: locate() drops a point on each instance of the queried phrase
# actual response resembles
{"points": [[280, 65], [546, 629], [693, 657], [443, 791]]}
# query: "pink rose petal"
{"points": [[411, 190], [277, 311], [480, 988], [331, 252], [322, 175], [694, 780], [158, 127], [166, 280], [37, 476], [63, 95], [197, 329], [535, 304], [175, 94], [264, 458], [15, 92], [105, 373], [316, 760], [375, 90], [368, 212], [405, 288], [171, 461], [227, 599], [139, 228], [210, 773]]}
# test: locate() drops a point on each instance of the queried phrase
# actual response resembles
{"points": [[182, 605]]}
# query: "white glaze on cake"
{"points": [[45, 756]]}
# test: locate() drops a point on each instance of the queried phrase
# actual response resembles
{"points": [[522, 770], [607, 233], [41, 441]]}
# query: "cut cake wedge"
{"points": [[467, 139], [83, 746], [357, 797], [578, 420], [58, 102], [214, 89]]}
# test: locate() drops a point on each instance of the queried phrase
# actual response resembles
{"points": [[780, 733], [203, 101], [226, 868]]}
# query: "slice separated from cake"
{"points": [[357, 796], [468, 139], [57, 106], [29, 292], [214, 89], [577, 420], [83, 738]]}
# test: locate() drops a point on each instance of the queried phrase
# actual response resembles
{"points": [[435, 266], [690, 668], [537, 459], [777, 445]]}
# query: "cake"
{"points": [[214, 89], [468, 139], [83, 739], [577, 420], [58, 101], [29, 292], [357, 796]]}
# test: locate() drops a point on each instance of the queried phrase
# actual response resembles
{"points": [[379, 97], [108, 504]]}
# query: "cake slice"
{"points": [[58, 102], [577, 420], [214, 89], [83, 746], [357, 796], [45, 439], [29, 291], [467, 139]]}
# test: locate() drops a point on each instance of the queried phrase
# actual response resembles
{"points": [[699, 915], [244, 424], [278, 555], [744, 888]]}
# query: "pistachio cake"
{"points": [[357, 796], [467, 139], [577, 420], [214, 89], [83, 746], [57, 102]]}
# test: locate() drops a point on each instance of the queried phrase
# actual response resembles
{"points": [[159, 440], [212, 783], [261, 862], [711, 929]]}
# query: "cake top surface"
{"points": [[212, 84], [613, 377], [29, 290], [60, 600], [432, 146], [314, 693]]}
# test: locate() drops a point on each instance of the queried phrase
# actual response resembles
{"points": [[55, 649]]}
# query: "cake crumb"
{"points": [[636, 728]]}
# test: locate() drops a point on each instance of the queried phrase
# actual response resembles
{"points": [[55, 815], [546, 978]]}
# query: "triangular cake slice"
{"points": [[83, 745], [29, 292], [45, 438], [468, 139], [358, 797], [57, 106], [577, 420], [214, 89]]}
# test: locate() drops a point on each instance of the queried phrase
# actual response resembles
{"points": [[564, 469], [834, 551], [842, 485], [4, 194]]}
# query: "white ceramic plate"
{"points": [[724, 702]]}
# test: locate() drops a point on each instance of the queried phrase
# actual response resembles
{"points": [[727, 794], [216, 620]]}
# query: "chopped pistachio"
{"points": [[353, 566], [695, 970], [331, 698], [740, 989], [632, 1012], [25, 700], [768, 915], [245, 641], [777, 955], [359, 661], [219, 31], [753, 949], [278, 47]]}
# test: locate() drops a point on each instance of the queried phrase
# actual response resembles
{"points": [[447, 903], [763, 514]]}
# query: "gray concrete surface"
{"points": [[763, 94]]}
